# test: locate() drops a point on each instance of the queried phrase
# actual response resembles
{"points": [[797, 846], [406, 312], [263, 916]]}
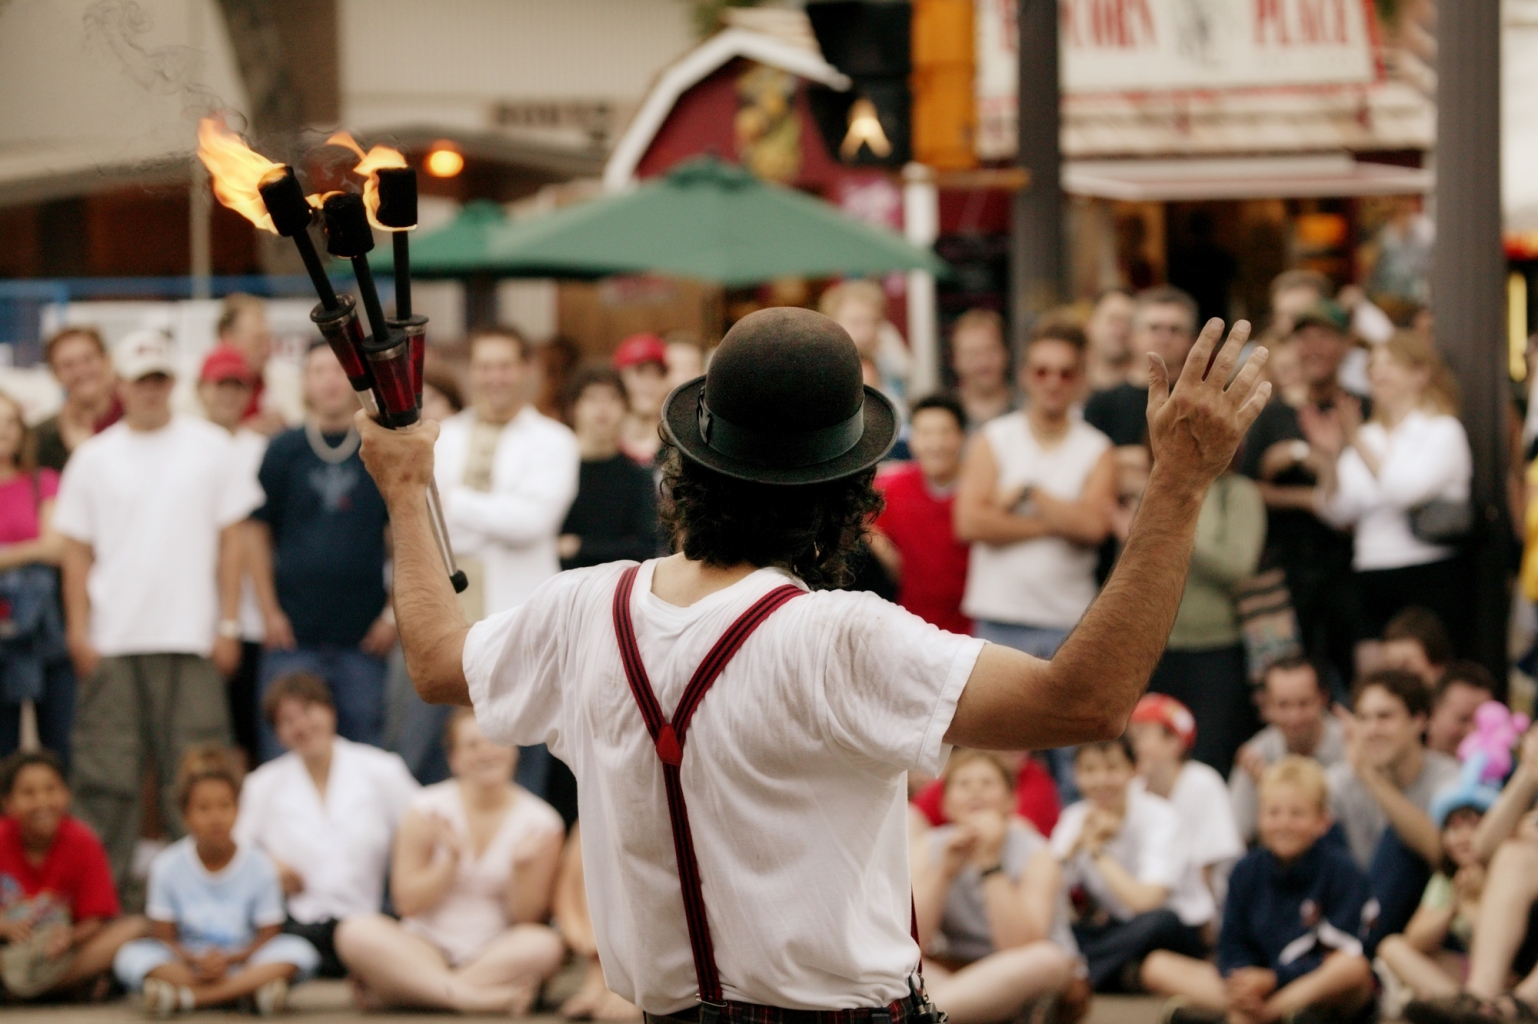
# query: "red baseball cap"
{"points": [[226, 362], [1159, 709], [639, 349]]}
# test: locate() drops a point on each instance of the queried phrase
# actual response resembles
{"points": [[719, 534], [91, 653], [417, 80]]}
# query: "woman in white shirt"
{"points": [[324, 813], [472, 877], [1413, 451]]}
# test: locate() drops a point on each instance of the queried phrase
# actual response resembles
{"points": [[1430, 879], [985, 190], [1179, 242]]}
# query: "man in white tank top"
{"points": [[1034, 501], [795, 769]]}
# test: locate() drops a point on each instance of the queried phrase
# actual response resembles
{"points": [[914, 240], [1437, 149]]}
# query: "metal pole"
{"points": [[921, 223], [1468, 294], [1037, 252], [200, 202]]}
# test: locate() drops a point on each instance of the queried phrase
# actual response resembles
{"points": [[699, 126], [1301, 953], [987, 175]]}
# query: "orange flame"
{"points": [[236, 170], [368, 163]]}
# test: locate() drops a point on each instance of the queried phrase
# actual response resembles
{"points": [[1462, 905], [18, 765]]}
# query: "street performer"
{"points": [[740, 734]]}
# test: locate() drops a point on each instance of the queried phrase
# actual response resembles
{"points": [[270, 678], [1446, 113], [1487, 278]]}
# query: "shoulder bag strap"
{"points": [[669, 736]]}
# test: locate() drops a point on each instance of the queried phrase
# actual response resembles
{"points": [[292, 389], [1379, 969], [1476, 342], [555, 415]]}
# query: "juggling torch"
{"points": [[380, 368], [398, 212]]}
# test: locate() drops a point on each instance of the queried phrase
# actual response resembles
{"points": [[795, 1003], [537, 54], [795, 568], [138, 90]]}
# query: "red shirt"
{"points": [[934, 571], [75, 872], [1035, 798]]}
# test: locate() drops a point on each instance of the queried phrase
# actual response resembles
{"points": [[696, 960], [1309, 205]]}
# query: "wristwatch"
{"points": [[229, 629]]}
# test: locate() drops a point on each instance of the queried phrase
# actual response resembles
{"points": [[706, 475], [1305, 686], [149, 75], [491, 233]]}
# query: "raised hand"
{"points": [[1195, 427]]}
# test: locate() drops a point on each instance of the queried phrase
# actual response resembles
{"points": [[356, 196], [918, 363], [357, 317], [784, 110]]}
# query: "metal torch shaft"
{"points": [[316, 269], [370, 292], [435, 518], [402, 275]]}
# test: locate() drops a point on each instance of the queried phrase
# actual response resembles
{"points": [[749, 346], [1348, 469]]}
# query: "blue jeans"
{"points": [[1397, 878], [1041, 642], [55, 713], [357, 682]]}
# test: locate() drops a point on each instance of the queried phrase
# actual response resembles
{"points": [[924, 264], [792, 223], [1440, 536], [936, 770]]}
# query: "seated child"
{"points": [[1123, 855], [215, 908], [58, 909], [1163, 732], [989, 899], [1035, 794], [1291, 929], [1431, 958]]}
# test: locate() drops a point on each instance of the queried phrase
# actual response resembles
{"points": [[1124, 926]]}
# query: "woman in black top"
{"points": [[614, 516]]}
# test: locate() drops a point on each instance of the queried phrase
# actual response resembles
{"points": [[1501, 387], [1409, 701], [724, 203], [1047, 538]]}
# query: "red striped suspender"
{"points": [[669, 739]]}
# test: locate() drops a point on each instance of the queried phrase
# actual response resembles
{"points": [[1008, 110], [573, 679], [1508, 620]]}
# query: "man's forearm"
{"points": [[1412, 824], [77, 600], [432, 626], [232, 565], [1107, 659]]}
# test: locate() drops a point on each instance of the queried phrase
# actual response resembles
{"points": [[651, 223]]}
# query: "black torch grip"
{"points": [[460, 581]]}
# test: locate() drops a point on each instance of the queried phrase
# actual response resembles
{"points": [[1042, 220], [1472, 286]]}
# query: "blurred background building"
{"points": [[1296, 133]]}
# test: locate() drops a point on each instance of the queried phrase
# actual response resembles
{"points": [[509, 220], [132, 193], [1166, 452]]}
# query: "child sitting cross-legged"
{"points": [[1431, 958], [1290, 940], [59, 923], [989, 902], [214, 907]]}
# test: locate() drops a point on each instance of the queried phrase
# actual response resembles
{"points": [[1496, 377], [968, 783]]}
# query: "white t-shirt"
{"points": [[340, 845], [249, 449], [1150, 846], [151, 505], [472, 914], [793, 770], [1048, 581], [1200, 798]]}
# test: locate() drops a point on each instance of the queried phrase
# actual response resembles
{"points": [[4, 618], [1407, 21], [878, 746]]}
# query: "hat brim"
{"points": [[681, 426]]}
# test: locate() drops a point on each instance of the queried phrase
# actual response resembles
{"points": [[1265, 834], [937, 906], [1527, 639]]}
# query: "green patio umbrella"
{"points": [[707, 220], [459, 247]]}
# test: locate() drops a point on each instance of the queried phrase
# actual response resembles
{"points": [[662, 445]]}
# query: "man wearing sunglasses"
{"points": [[1034, 500]]}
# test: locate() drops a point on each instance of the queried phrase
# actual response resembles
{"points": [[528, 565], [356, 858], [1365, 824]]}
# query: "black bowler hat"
{"points": [[784, 403]]}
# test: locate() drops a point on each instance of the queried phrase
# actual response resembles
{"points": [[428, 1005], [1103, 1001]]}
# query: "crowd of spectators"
{"points": [[1285, 827]]}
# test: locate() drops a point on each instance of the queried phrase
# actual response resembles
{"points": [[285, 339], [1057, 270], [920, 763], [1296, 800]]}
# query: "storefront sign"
{"points": [[1161, 46]]}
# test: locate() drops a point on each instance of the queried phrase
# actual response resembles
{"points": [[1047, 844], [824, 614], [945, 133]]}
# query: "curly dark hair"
{"points": [[808, 530]]}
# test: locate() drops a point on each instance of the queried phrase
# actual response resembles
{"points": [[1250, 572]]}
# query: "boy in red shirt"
{"points": [[58, 909], [913, 536]]}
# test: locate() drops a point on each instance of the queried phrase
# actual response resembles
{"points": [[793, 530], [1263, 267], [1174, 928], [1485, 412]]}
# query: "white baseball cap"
{"points": [[142, 353]]}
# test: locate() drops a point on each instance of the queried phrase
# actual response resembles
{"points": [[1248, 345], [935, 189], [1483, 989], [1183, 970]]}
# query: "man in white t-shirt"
{"points": [[1034, 501], [1128, 851], [151, 511], [1163, 731], [750, 849]]}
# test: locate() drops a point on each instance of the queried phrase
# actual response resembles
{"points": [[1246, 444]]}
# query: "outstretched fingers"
{"points": [[1228, 355], [1201, 353], [1158, 384], [1249, 376], [1250, 410]]}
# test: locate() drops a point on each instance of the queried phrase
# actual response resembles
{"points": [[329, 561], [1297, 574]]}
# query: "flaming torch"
{"points": [[380, 369], [390, 197]]}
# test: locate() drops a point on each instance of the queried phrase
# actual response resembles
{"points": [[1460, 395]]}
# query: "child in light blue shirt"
{"points": [[215, 909]]}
